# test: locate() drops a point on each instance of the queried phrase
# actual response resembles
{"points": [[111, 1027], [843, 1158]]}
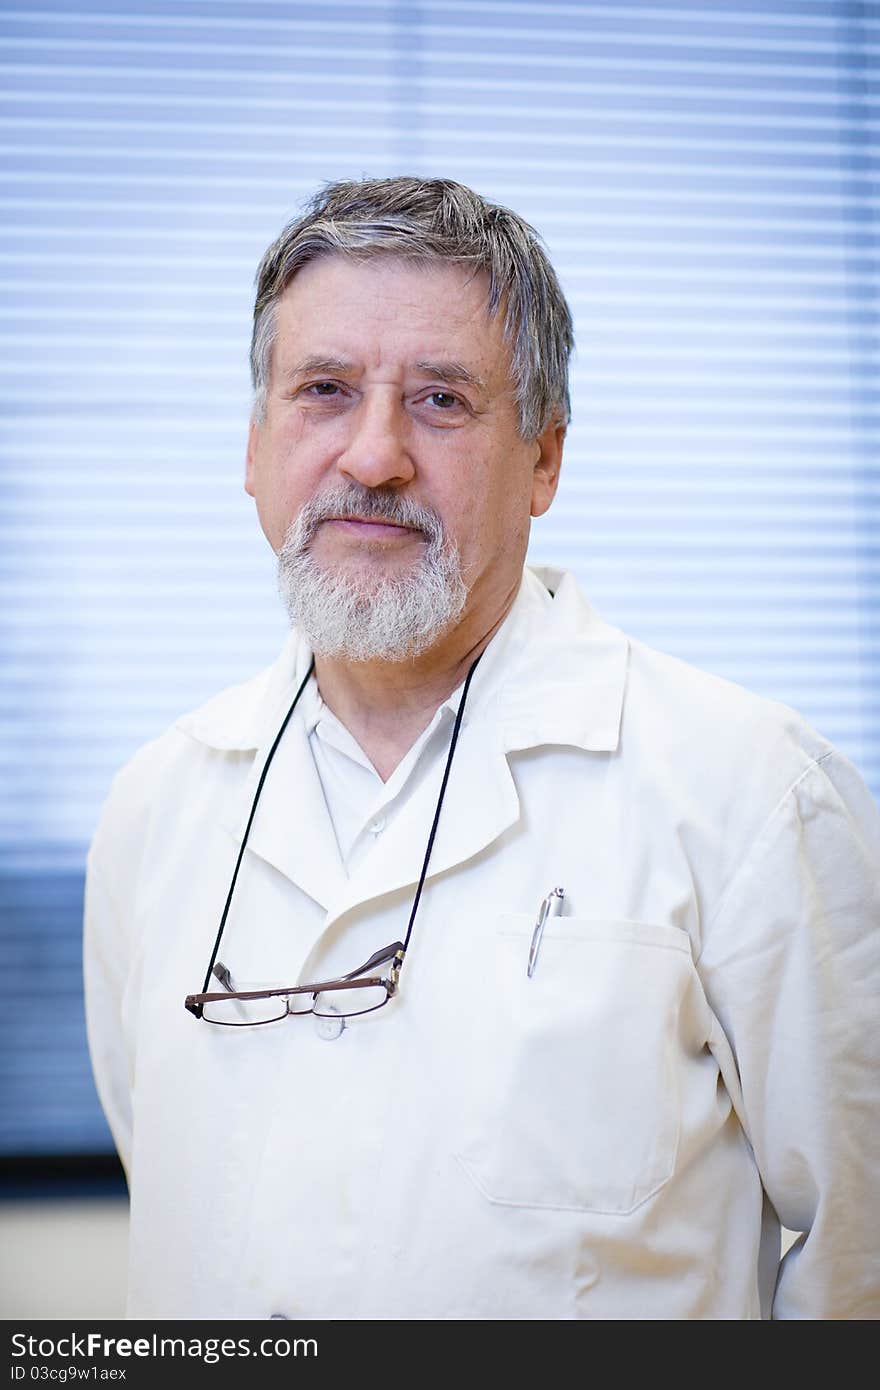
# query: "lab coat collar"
{"points": [[561, 680], [554, 674], [558, 674]]}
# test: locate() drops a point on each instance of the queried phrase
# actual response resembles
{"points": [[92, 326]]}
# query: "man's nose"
{"points": [[376, 453]]}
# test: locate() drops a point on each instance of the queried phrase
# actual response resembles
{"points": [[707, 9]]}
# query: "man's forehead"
{"points": [[339, 268], [390, 293]]}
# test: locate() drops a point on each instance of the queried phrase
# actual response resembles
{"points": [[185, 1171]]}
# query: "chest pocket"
{"points": [[572, 1091]]}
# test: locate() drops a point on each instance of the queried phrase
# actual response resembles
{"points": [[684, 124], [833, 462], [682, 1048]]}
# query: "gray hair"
{"points": [[424, 220]]}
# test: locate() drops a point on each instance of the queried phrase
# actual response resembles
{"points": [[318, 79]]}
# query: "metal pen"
{"points": [[550, 907]]}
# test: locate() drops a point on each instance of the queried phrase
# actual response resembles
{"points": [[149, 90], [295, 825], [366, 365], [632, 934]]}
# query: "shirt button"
{"points": [[377, 826], [328, 1027]]}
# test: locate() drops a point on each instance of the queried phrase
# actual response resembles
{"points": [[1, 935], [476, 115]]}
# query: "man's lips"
{"points": [[374, 528]]}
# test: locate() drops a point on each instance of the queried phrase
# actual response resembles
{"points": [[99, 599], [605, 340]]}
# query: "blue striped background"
{"points": [[705, 176]]}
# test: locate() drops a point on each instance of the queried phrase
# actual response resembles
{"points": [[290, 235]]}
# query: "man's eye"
{"points": [[323, 388], [444, 400]]}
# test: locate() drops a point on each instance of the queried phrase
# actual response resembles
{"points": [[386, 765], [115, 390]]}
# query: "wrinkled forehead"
{"points": [[370, 260], [389, 306]]}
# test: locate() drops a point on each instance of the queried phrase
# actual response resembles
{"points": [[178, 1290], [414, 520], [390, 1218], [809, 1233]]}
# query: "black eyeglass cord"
{"points": [[412, 916], [247, 831], [450, 755]]}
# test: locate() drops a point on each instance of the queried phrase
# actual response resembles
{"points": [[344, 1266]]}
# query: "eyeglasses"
{"points": [[357, 993], [350, 995]]}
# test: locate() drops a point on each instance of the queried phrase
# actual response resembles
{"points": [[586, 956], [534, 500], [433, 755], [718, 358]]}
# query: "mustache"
{"points": [[370, 504]]}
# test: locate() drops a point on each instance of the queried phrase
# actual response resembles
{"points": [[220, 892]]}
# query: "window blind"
{"points": [[704, 175]]}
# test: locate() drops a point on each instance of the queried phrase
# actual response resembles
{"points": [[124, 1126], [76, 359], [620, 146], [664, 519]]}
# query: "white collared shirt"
{"points": [[359, 803], [693, 1060]]}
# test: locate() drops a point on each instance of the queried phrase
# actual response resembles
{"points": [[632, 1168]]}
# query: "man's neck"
{"points": [[385, 705]]}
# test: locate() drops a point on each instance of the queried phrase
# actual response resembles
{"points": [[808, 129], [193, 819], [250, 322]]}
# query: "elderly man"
{"points": [[474, 960]]}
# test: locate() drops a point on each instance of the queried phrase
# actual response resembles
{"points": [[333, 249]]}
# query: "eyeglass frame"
{"points": [[195, 1003]]}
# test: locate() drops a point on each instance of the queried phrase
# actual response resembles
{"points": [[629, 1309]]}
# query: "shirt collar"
{"points": [[553, 673]]}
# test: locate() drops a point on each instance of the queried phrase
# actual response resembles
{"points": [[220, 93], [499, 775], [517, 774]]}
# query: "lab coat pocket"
{"points": [[572, 1086]]}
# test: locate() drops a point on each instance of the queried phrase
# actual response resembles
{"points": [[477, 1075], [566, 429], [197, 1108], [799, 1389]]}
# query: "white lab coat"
{"points": [[693, 1061]]}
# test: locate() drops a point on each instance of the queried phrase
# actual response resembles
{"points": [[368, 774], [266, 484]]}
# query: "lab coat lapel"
{"points": [[481, 802], [292, 829]]}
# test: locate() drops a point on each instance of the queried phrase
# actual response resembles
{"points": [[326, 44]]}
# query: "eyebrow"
{"points": [[319, 365], [450, 373]]}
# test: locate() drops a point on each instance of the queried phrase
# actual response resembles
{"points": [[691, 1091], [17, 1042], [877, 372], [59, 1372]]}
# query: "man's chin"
{"points": [[370, 603], [366, 572]]}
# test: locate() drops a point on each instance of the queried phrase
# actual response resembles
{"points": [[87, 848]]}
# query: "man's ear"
{"points": [[250, 466], [545, 478]]}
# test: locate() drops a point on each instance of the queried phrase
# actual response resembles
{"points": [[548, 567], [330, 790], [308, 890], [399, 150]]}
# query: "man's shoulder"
{"points": [[688, 705], [692, 704], [668, 710], [716, 754], [228, 720], [234, 720]]}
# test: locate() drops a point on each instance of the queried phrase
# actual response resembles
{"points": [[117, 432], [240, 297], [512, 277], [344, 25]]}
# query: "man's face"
{"points": [[390, 384]]}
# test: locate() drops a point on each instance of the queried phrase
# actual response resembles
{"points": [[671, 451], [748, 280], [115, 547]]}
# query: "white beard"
{"points": [[358, 616]]}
